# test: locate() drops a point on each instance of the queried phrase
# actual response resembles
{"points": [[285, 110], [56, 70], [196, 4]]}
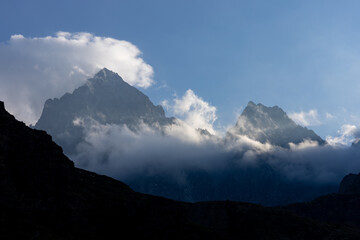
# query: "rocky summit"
{"points": [[272, 125], [43, 196], [105, 98]]}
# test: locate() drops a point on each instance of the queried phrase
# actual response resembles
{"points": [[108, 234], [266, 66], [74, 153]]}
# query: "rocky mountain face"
{"points": [[105, 98], [43, 196], [272, 125]]}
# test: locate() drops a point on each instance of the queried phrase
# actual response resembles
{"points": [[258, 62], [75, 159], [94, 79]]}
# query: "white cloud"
{"points": [[307, 144], [35, 69], [309, 118], [194, 111], [347, 134]]}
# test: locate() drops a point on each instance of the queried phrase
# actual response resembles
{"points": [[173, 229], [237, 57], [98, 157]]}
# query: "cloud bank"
{"points": [[33, 69], [319, 164], [116, 151]]}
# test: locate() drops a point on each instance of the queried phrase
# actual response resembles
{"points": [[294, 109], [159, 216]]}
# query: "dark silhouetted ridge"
{"points": [[43, 196], [337, 208], [350, 184]]}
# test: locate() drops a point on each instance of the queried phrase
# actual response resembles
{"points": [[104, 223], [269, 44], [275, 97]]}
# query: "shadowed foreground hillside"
{"points": [[339, 208], [43, 196]]}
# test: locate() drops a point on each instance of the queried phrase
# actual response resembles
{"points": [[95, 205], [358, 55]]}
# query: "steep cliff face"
{"points": [[272, 125], [43, 196], [105, 98]]}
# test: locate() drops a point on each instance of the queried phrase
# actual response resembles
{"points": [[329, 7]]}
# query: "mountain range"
{"points": [[107, 99], [43, 196]]}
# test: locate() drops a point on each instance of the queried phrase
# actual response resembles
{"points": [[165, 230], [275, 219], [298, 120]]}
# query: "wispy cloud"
{"points": [[35, 69], [309, 118]]}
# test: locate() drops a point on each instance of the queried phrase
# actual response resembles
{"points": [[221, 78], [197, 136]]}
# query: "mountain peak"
{"points": [[271, 124], [104, 73], [262, 107], [106, 76], [105, 98], [251, 104], [263, 116]]}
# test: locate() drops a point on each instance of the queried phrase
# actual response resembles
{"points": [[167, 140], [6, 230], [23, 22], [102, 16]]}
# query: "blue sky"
{"points": [[299, 55]]}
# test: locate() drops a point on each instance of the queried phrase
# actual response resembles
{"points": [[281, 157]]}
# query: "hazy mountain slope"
{"points": [[105, 98], [256, 184], [43, 196], [272, 125]]}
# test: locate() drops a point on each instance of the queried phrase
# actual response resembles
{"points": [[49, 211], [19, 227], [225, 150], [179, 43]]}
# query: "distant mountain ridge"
{"points": [[272, 125], [105, 98]]}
